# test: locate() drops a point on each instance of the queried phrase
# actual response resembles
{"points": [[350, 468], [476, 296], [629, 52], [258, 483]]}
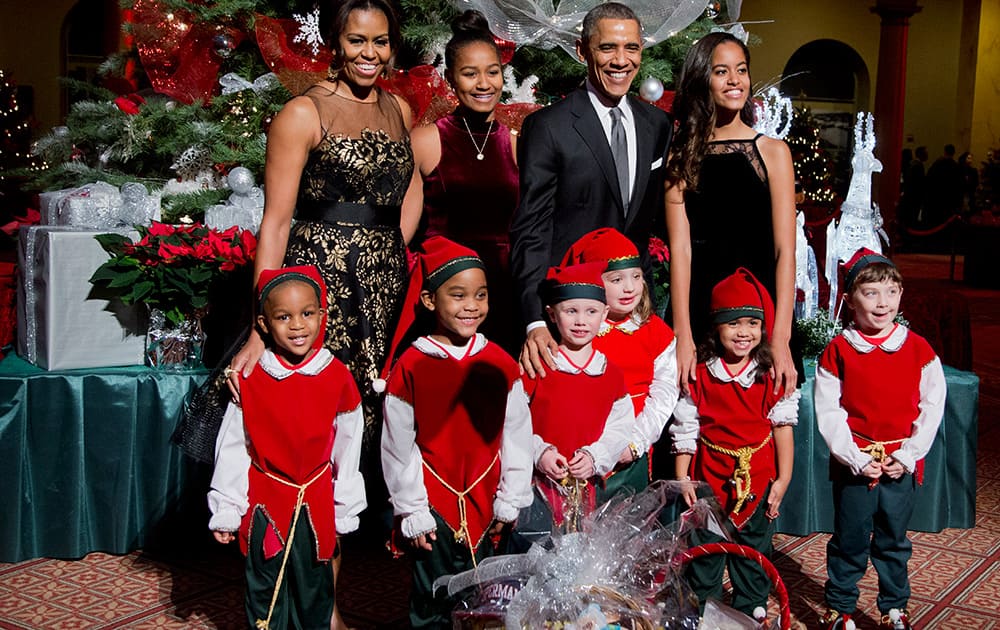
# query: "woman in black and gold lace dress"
{"points": [[339, 162]]}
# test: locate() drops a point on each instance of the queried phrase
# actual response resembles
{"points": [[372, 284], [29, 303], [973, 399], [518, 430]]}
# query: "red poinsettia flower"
{"points": [[172, 267], [658, 249]]}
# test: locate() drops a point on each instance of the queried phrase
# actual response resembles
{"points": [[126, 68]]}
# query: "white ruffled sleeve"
{"points": [[516, 462], [402, 466], [615, 437], [686, 427], [785, 412], [349, 486], [227, 498], [660, 402], [831, 418], [933, 390]]}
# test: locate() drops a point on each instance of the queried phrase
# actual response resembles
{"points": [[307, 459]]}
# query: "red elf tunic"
{"points": [[646, 354], [729, 412], [580, 408], [456, 424], [888, 392], [283, 438]]}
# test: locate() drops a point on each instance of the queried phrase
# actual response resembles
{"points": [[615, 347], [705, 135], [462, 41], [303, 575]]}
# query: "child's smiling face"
{"points": [[460, 305], [739, 338], [293, 318]]}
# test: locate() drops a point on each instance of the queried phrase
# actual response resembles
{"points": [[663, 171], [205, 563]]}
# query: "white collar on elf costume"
{"points": [[593, 367], [280, 370], [745, 378], [891, 343], [440, 350], [627, 326]]}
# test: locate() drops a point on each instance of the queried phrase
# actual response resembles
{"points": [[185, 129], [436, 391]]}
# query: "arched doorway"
{"points": [[831, 80]]}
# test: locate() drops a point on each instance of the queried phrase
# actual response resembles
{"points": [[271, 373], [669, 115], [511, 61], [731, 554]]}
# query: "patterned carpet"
{"points": [[955, 573]]}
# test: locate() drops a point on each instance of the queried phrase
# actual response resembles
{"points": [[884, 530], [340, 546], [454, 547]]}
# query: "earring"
{"points": [[332, 74]]}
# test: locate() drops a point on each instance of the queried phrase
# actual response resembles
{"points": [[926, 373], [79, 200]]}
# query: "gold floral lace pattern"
{"points": [[372, 169], [365, 272]]}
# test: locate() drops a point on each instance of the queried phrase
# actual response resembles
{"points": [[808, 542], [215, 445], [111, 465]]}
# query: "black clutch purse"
{"points": [[203, 413]]}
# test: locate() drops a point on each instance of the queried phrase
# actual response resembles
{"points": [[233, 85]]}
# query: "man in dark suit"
{"points": [[572, 178]]}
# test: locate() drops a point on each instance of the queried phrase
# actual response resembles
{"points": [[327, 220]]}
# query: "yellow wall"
{"points": [[934, 56], [986, 108], [30, 50]]}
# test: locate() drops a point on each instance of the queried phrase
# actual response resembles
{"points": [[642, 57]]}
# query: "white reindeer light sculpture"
{"points": [[860, 222]]}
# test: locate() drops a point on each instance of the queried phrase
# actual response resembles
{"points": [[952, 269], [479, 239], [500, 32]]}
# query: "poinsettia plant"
{"points": [[660, 254], [172, 267]]}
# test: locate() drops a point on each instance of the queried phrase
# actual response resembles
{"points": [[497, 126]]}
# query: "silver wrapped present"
{"points": [[62, 321], [100, 206]]}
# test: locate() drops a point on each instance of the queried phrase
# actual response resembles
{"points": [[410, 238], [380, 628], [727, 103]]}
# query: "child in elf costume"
{"points": [[734, 433], [456, 442], [581, 412], [639, 343], [286, 465], [880, 393]]}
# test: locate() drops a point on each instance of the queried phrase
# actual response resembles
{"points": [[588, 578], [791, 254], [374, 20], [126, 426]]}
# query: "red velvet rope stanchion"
{"points": [[750, 553], [933, 230]]}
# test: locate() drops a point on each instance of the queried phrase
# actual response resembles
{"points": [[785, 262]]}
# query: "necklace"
{"points": [[479, 149]]}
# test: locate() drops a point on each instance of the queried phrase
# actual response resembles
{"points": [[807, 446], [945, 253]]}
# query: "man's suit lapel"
{"points": [[590, 130], [645, 135]]}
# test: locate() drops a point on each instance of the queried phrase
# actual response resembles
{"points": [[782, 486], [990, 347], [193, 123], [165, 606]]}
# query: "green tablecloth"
{"points": [[946, 499], [85, 457]]}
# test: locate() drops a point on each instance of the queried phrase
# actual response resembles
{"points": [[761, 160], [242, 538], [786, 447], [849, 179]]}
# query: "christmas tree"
{"points": [[17, 162], [813, 165], [15, 131], [203, 100]]}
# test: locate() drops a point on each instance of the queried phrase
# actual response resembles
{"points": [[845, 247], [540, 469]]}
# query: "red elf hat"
{"points": [[271, 278], [440, 259], [862, 258], [575, 281], [742, 295], [604, 245]]}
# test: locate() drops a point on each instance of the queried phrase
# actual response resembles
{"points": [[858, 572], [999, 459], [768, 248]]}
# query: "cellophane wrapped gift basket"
{"points": [[620, 568]]}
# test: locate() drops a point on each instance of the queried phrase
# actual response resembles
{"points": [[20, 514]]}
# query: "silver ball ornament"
{"points": [[223, 44], [240, 180], [651, 89]]}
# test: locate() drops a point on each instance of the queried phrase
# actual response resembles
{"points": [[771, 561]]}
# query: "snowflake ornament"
{"points": [[309, 30], [195, 165], [523, 92]]}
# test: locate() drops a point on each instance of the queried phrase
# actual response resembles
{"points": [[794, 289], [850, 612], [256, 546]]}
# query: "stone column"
{"points": [[890, 98]]}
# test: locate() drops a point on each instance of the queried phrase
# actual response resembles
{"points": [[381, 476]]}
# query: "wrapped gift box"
{"points": [[61, 322], [48, 205], [99, 205]]}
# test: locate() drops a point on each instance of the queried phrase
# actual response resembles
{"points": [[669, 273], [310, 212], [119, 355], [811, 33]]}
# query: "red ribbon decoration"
{"points": [[506, 48], [177, 53]]}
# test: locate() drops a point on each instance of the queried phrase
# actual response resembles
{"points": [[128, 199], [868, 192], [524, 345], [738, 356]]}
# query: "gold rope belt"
{"points": [[573, 509], [875, 448], [264, 624], [462, 533], [741, 472]]}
